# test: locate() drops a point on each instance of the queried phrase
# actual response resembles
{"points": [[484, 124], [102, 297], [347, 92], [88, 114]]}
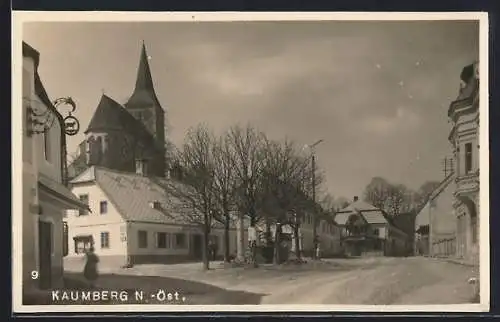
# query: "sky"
{"points": [[377, 93]]}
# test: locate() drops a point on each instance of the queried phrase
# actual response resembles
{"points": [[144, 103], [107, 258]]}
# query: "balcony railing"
{"points": [[467, 183]]}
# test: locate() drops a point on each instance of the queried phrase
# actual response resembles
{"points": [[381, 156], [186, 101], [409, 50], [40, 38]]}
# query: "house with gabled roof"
{"points": [[368, 230], [132, 221], [435, 223]]}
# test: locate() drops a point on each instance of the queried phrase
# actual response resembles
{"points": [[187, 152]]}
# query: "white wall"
{"points": [[30, 253], [34, 162], [153, 228], [94, 223]]}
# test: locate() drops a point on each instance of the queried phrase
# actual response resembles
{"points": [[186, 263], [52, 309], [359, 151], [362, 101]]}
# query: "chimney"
{"points": [[141, 167], [355, 199]]}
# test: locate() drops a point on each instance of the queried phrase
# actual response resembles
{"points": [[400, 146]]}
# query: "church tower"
{"points": [[144, 104]]}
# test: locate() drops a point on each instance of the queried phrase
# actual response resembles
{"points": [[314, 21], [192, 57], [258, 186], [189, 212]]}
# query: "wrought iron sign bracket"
{"points": [[39, 121]]}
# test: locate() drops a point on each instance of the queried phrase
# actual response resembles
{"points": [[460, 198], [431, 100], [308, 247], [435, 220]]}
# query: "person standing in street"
{"points": [[90, 271]]}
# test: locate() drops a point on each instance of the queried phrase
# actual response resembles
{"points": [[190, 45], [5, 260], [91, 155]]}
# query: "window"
{"points": [[82, 244], [84, 199], [46, 145], [376, 232], [180, 240], [161, 240], [105, 239], [155, 205], [143, 238], [468, 157], [103, 207]]}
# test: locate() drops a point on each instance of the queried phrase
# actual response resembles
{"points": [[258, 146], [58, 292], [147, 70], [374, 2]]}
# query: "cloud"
{"points": [[310, 80], [403, 120]]}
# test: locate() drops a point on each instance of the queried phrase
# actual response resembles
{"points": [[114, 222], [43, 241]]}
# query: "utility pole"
{"points": [[315, 215], [447, 166], [314, 219]]}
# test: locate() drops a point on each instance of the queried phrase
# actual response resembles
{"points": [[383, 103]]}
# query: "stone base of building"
{"points": [[75, 263], [160, 259]]}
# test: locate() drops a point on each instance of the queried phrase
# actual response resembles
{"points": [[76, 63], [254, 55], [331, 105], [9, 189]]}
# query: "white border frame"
{"points": [[19, 17]]}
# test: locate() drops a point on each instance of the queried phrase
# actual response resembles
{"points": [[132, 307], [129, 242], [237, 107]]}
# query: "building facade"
{"points": [[369, 231], [130, 222], [435, 224], [327, 231], [329, 237], [45, 195], [464, 137]]}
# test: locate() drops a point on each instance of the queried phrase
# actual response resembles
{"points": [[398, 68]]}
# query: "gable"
{"points": [[95, 196], [85, 176]]}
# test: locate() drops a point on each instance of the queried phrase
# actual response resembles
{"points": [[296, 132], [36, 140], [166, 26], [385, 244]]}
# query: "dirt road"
{"points": [[378, 281]]}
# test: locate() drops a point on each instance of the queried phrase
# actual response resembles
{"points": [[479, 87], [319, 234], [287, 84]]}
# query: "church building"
{"points": [[124, 137]]}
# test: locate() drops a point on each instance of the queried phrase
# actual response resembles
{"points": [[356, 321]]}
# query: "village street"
{"points": [[378, 280]]}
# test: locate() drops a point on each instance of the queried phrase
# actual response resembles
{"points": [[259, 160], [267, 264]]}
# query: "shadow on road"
{"points": [[189, 292]]}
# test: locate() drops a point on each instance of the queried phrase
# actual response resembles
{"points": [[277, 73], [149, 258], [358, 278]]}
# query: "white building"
{"points": [[129, 223], [45, 197]]}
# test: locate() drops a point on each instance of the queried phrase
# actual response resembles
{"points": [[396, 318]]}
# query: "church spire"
{"points": [[144, 80], [144, 94]]}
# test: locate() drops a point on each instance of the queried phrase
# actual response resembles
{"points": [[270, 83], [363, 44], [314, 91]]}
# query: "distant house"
{"points": [[45, 195], [435, 224], [327, 231], [406, 222], [367, 230], [130, 222]]}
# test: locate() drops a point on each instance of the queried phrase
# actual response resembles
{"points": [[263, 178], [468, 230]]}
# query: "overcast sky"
{"points": [[376, 92]]}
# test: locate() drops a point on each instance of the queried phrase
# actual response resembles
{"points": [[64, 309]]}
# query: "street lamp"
{"points": [[313, 175]]}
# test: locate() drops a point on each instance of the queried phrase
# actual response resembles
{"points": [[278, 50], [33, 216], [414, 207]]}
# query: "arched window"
{"points": [[88, 149], [98, 149]]}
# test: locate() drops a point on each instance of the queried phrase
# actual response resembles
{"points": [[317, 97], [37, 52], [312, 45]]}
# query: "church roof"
{"points": [[144, 94], [110, 115]]}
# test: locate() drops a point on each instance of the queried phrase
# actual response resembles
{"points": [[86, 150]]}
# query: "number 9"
{"points": [[34, 275]]}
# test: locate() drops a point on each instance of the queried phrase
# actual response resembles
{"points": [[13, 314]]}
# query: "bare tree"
{"points": [[341, 203], [399, 200], [246, 143], [328, 202], [424, 192], [285, 201], [192, 195], [377, 192], [224, 184], [393, 198]]}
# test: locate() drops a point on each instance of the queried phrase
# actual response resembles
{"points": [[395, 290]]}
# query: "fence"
{"points": [[444, 247]]}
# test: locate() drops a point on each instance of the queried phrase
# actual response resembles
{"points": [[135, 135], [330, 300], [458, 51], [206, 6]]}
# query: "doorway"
{"points": [[45, 254], [197, 246]]}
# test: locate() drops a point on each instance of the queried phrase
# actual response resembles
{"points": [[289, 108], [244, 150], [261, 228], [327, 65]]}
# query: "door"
{"points": [[197, 246], [45, 254]]}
